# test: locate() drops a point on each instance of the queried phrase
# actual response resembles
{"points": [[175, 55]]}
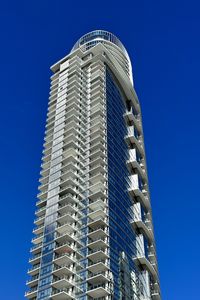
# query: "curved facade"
{"points": [[93, 235]]}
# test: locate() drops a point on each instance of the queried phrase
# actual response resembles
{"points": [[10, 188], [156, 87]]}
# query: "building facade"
{"points": [[93, 235]]}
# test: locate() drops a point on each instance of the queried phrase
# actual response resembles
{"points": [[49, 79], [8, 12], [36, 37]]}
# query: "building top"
{"points": [[111, 42], [99, 36]]}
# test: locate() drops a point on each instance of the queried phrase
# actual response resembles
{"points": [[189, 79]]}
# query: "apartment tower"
{"points": [[93, 235]]}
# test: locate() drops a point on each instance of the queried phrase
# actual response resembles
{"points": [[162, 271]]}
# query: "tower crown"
{"points": [[111, 42], [99, 36]]}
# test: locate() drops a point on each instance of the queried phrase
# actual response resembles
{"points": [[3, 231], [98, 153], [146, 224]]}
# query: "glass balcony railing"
{"points": [[36, 246], [35, 277], [105, 274], [68, 266], [34, 268], [98, 228], [94, 263], [32, 290], [96, 286], [92, 251], [72, 225], [98, 239], [64, 290], [70, 279], [34, 257]]}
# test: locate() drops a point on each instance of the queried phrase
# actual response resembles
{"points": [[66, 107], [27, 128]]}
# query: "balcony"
{"points": [[63, 294], [130, 138], [97, 178], [32, 281], [95, 131], [41, 203], [152, 254], [97, 204], [97, 66], [97, 223], [38, 239], [97, 74], [100, 213], [98, 254], [35, 259], [132, 163], [96, 119], [155, 295], [64, 270], [64, 258], [139, 196], [100, 232], [71, 145], [99, 167], [97, 127], [99, 242], [96, 124], [66, 227], [99, 138], [67, 217], [73, 114], [36, 248], [96, 191], [63, 281], [129, 116], [97, 83], [68, 188], [66, 247], [70, 198], [70, 174], [95, 161], [70, 208], [155, 291], [98, 277], [34, 270], [32, 293], [98, 266], [98, 291], [42, 196], [144, 263], [61, 238], [69, 182], [139, 225], [40, 220], [74, 69], [41, 211], [39, 229], [96, 94]]}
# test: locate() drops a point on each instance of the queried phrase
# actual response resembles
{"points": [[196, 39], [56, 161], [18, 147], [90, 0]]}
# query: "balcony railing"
{"points": [[33, 278], [70, 279], [65, 291], [103, 239], [68, 266], [32, 290], [34, 257]]}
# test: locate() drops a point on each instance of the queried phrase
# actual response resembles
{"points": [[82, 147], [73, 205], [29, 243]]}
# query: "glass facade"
{"points": [[122, 237]]}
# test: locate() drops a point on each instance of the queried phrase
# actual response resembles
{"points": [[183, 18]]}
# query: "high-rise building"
{"points": [[93, 235]]}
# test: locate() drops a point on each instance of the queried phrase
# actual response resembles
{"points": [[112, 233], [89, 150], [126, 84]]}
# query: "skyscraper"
{"points": [[93, 235]]}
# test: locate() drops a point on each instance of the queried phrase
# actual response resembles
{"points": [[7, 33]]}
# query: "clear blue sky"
{"points": [[163, 40]]}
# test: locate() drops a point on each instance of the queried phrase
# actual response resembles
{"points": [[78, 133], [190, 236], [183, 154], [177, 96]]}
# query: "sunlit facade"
{"points": [[93, 235]]}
